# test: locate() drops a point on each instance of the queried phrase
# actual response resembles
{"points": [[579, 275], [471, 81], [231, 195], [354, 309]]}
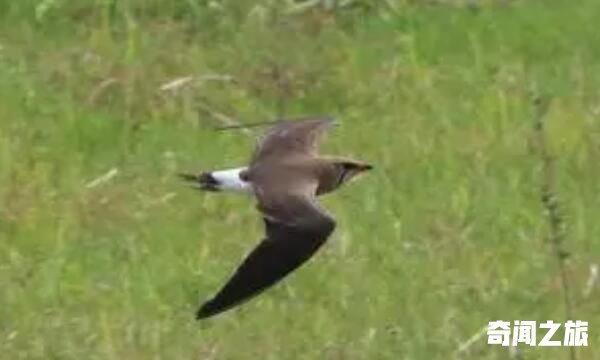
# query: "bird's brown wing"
{"points": [[292, 136], [295, 229]]}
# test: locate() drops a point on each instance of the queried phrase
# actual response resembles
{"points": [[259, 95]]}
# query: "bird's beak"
{"points": [[366, 167]]}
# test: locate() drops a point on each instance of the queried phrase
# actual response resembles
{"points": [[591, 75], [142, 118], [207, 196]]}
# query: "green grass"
{"points": [[447, 234]]}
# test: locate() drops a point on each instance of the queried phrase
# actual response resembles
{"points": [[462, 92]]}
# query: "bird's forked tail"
{"points": [[222, 180]]}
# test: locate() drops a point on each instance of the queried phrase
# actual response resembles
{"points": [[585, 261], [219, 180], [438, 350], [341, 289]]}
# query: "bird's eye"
{"points": [[348, 166]]}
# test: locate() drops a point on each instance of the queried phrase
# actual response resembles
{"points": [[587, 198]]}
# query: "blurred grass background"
{"points": [[447, 234]]}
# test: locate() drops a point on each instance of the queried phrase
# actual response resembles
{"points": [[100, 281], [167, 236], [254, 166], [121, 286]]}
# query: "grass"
{"points": [[448, 234]]}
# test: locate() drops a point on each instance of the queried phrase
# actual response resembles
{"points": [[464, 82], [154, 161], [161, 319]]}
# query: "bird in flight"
{"points": [[285, 175]]}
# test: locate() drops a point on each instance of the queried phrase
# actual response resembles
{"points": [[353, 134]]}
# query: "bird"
{"points": [[285, 175]]}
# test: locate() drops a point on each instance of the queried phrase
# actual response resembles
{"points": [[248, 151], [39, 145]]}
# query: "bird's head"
{"points": [[337, 171], [348, 169]]}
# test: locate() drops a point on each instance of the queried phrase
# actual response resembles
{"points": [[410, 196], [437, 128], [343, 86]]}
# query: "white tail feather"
{"points": [[229, 180]]}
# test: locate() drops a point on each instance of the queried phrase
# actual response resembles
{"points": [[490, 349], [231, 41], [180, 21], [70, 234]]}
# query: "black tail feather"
{"points": [[188, 177], [204, 181]]}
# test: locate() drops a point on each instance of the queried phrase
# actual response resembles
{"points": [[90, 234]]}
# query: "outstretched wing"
{"points": [[295, 229], [292, 136]]}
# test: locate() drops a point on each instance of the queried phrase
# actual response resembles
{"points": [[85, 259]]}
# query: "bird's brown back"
{"points": [[290, 138]]}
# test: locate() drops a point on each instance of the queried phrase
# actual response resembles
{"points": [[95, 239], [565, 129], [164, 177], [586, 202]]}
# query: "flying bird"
{"points": [[285, 175]]}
